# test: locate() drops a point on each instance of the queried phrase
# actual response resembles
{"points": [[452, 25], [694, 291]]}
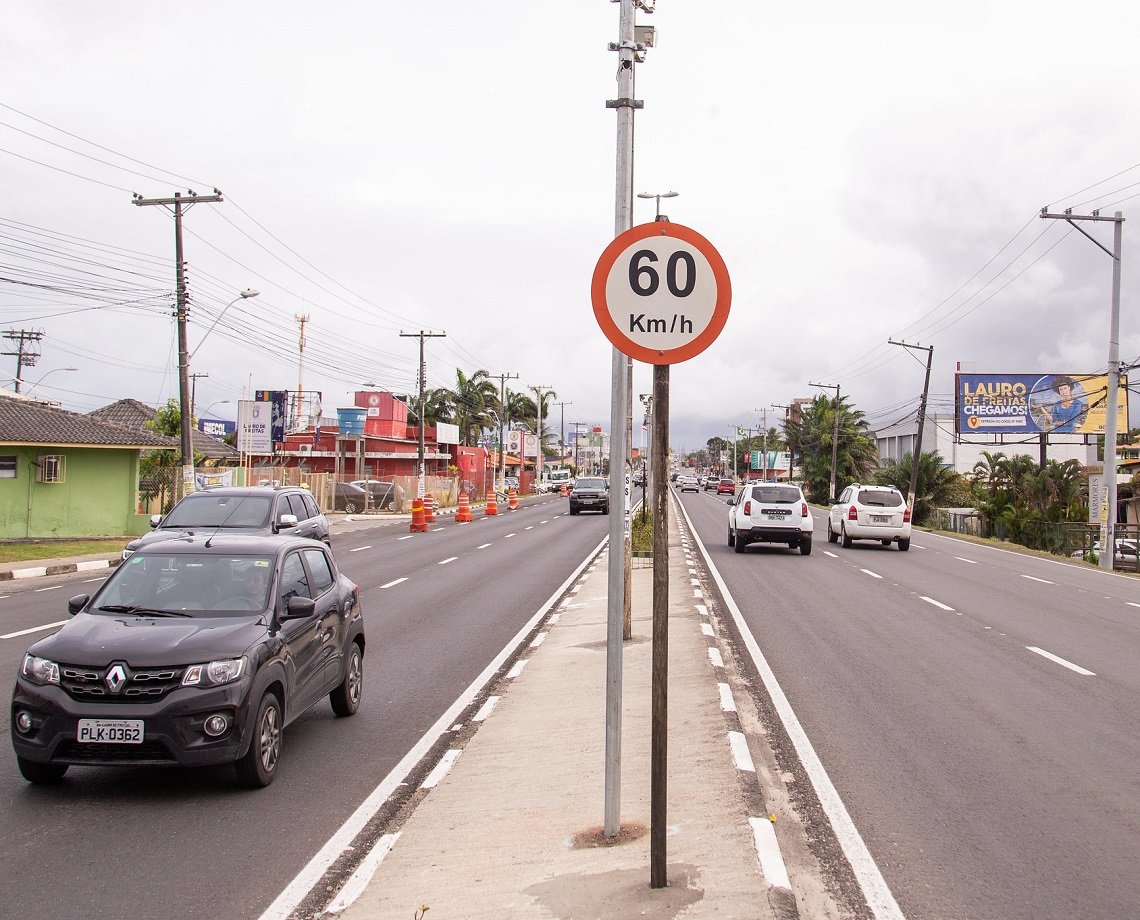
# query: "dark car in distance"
{"points": [[349, 498], [383, 496], [590, 493], [262, 510], [194, 652]]}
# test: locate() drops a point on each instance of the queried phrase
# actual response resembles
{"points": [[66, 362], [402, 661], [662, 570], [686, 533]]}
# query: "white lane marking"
{"points": [[872, 574], [1042, 580], [741, 756], [446, 762], [940, 605], [768, 852], [875, 889], [964, 559], [447, 560], [52, 588], [89, 581], [828, 552], [360, 548], [507, 537], [485, 545], [1060, 661], [26, 632], [486, 709], [358, 881], [393, 584], [531, 527], [727, 702], [406, 536], [1130, 603]]}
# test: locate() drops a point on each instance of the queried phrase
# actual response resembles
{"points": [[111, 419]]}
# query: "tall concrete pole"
{"points": [[623, 220]]}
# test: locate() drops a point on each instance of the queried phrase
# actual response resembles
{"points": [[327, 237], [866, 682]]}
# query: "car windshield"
{"points": [[590, 484], [183, 584], [880, 498], [776, 495], [205, 510]]}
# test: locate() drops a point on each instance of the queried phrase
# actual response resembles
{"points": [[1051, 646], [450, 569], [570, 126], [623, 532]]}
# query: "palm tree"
{"points": [[811, 437], [439, 406], [475, 402], [938, 485]]}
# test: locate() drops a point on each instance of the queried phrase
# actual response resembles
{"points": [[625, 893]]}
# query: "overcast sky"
{"points": [[866, 172]]}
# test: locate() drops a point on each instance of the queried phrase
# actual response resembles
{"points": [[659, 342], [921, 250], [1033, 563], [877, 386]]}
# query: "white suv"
{"points": [[770, 512], [870, 513]]}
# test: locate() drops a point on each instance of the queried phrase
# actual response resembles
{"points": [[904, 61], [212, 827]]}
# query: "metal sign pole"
{"points": [[659, 747]]}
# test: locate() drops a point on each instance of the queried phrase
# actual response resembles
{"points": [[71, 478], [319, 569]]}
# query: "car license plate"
{"points": [[110, 731], [880, 519]]}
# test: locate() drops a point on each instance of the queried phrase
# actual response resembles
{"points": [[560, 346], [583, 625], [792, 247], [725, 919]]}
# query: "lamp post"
{"points": [[247, 294], [659, 216], [45, 376], [185, 405], [219, 402]]}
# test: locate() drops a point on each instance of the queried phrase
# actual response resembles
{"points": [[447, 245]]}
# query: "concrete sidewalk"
{"points": [[511, 829]]}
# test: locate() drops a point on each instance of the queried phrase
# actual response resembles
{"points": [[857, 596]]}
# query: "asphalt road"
{"points": [[976, 709], [170, 842]]}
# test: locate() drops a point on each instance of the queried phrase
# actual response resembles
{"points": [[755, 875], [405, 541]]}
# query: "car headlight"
{"points": [[214, 673], [40, 670]]}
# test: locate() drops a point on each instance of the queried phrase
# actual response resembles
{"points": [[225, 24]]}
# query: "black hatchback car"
{"points": [[288, 510], [195, 651]]}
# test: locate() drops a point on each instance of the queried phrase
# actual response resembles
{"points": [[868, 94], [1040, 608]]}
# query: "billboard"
{"points": [[1035, 403], [279, 399], [255, 425], [216, 427]]}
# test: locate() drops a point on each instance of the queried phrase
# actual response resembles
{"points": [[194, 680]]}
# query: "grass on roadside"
{"points": [[27, 550]]}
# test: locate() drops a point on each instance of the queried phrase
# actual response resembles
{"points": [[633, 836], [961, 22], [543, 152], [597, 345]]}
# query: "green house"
{"points": [[63, 474]]}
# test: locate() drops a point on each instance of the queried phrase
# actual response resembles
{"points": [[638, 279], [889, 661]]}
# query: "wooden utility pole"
{"points": [[178, 204]]}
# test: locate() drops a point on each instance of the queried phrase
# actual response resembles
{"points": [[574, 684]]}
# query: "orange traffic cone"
{"points": [[429, 508], [492, 503], [463, 514], [513, 499], [418, 525], [565, 490]]}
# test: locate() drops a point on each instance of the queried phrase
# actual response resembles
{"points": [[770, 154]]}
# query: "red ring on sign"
{"points": [[617, 337]]}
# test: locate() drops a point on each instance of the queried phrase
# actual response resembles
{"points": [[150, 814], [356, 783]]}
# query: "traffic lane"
{"points": [[1062, 610], [958, 758], [328, 765], [28, 603]]}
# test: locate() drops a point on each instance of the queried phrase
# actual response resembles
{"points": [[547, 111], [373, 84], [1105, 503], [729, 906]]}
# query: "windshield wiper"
{"points": [[141, 611]]}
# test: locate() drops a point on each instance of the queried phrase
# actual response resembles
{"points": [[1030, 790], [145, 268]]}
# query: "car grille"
{"points": [[145, 685], [149, 752]]}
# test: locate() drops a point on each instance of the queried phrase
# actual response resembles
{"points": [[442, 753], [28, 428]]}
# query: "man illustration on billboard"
{"points": [[1068, 411]]}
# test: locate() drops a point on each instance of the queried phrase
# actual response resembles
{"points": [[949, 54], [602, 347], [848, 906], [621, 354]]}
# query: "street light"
{"points": [[247, 294], [220, 402], [658, 197], [45, 376]]}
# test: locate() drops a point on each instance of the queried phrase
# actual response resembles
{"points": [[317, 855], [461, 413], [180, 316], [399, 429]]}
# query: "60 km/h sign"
{"points": [[661, 293]]}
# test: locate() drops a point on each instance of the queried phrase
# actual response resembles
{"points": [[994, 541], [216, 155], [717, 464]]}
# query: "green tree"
{"points": [[937, 486], [811, 438]]}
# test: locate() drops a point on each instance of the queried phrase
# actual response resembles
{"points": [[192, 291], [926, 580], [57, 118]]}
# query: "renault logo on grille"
{"points": [[116, 678]]}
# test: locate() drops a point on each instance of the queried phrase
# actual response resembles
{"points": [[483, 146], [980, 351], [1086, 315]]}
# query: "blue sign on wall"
{"points": [[216, 427]]}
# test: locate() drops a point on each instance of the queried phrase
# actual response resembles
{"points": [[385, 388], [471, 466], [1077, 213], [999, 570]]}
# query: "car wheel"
{"points": [[350, 507], [741, 543], [40, 773], [731, 537], [605, 509], [805, 547], [389, 504], [904, 544], [832, 536], [846, 539], [258, 767], [345, 699], [573, 510]]}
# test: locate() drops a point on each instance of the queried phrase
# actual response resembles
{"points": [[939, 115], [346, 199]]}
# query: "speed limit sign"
{"points": [[661, 293]]}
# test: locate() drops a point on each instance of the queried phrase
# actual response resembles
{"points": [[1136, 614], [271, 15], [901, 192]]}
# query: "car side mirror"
{"points": [[731, 501], [299, 607], [287, 520], [155, 520], [77, 603]]}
